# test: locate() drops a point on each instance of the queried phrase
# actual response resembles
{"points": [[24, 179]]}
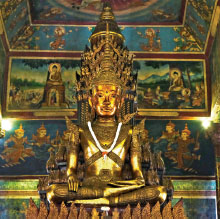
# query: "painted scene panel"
{"points": [[171, 85], [41, 85]]}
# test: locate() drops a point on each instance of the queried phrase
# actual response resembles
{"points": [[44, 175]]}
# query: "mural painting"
{"points": [[183, 146], [8, 7], [27, 147], [171, 85], [40, 84], [132, 11], [15, 16]]}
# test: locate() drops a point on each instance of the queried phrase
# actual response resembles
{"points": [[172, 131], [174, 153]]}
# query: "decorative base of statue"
{"points": [[72, 211]]}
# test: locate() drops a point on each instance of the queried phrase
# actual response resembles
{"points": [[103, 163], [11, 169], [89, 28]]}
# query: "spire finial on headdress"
{"points": [[107, 13], [106, 16], [107, 61]]}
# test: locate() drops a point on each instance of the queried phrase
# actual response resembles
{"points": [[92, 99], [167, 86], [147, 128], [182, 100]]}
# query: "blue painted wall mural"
{"points": [[183, 144], [185, 148]]}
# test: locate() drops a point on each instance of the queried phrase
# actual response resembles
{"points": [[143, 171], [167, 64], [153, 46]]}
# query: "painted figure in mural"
{"points": [[41, 138], [153, 40], [187, 40], [198, 97], [176, 80], [54, 91], [184, 154], [170, 135], [106, 137], [158, 100], [24, 41], [161, 14], [43, 143], [17, 152], [149, 96], [59, 42], [186, 92], [50, 13], [55, 73]]}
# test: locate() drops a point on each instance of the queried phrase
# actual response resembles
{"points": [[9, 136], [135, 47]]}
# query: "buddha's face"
{"points": [[105, 99]]}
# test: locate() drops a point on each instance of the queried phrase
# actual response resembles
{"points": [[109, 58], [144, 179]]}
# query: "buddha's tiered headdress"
{"points": [[107, 61]]}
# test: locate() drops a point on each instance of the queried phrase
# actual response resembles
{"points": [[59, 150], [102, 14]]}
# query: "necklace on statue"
{"points": [[104, 151]]}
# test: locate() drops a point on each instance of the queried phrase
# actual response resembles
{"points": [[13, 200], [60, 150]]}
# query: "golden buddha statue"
{"points": [[105, 135]]}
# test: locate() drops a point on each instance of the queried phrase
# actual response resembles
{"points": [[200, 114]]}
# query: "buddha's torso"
{"points": [[108, 169]]}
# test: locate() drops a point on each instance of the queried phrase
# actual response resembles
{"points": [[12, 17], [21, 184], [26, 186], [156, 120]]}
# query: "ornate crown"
{"points": [[42, 127], [186, 130], [107, 61], [20, 129], [171, 124]]}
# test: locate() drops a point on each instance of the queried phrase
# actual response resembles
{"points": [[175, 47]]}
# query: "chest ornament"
{"points": [[105, 151]]}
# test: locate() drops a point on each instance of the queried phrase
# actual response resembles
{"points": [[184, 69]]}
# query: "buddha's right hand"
{"points": [[73, 183]]}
